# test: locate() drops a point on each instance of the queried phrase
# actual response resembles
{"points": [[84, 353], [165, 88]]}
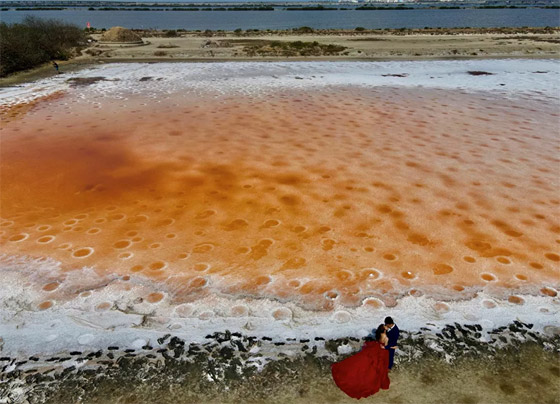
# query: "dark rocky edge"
{"points": [[229, 365]]}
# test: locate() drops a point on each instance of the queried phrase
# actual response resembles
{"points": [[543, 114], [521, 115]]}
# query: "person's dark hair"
{"points": [[380, 330], [389, 320]]}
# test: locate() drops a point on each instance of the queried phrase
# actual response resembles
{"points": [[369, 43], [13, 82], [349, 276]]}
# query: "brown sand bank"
{"points": [[343, 45]]}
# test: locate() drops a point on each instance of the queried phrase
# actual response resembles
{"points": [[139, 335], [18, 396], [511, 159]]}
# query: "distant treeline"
{"points": [[384, 8], [38, 8], [310, 8], [259, 8], [35, 41], [500, 7]]}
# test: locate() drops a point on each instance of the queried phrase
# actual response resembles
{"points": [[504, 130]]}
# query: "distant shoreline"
{"points": [[253, 7]]}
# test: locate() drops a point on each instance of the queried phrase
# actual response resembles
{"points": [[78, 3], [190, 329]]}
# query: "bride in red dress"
{"points": [[364, 373]]}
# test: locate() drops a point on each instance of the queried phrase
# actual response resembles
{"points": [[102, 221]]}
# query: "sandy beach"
{"points": [[184, 231]]}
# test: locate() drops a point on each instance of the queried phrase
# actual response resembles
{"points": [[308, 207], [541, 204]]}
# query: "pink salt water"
{"points": [[320, 197]]}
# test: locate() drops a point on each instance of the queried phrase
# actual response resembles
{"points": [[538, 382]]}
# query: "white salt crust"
{"points": [[77, 323], [538, 78]]}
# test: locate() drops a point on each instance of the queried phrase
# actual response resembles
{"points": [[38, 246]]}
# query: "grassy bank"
{"points": [[451, 366], [36, 41], [528, 374]]}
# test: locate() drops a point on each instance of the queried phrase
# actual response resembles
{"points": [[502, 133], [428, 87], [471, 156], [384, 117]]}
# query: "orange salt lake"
{"points": [[315, 197]]}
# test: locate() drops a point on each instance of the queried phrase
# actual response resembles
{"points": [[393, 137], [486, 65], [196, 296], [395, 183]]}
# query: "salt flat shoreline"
{"points": [[373, 45]]}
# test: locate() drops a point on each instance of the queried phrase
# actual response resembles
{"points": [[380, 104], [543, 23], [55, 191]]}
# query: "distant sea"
{"points": [[282, 19]]}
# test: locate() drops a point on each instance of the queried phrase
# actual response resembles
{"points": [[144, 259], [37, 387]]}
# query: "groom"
{"points": [[393, 334]]}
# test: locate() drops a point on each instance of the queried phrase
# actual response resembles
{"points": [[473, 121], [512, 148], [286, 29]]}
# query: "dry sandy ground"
{"points": [[362, 47]]}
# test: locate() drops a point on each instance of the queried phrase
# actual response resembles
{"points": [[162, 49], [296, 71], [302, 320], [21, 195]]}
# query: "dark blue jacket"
{"points": [[393, 335]]}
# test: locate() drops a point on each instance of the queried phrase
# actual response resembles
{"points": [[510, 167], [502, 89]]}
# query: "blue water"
{"points": [[282, 19]]}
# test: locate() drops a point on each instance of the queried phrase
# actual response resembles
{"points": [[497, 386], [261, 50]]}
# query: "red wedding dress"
{"points": [[364, 373]]}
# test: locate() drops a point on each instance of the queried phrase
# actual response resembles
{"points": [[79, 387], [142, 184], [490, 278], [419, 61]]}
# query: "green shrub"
{"points": [[295, 48], [170, 33], [359, 29], [35, 41], [167, 46], [304, 30]]}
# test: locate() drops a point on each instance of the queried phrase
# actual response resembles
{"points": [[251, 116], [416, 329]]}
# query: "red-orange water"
{"points": [[314, 196]]}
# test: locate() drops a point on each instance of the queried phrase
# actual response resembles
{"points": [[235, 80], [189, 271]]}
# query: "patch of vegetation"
{"points": [[384, 8], [93, 52], [312, 8], [160, 53], [296, 48], [39, 8], [228, 43], [36, 41], [528, 38], [170, 33], [502, 6], [167, 46], [368, 39], [304, 30], [261, 8]]}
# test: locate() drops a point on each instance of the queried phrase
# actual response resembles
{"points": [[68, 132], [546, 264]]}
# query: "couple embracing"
{"points": [[364, 373]]}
